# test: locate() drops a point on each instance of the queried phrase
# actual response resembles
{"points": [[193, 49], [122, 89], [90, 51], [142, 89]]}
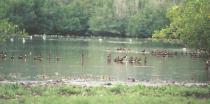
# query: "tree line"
{"points": [[187, 20], [133, 18]]}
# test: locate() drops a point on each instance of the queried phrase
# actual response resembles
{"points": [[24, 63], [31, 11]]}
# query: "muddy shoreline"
{"points": [[92, 83]]}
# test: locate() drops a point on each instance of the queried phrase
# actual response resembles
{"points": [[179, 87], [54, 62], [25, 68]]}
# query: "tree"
{"points": [[8, 30], [137, 18], [190, 22], [103, 20], [145, 22]]}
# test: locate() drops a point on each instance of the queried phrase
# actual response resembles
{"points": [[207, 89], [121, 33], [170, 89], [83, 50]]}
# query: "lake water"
{"points": [[93, 64]]}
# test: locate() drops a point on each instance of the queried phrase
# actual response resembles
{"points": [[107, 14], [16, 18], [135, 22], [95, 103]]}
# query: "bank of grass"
{"points": [[119, 94]]}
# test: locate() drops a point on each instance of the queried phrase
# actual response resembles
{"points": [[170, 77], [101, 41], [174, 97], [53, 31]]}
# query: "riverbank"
{"points": [[102, 83], [84, 92]]}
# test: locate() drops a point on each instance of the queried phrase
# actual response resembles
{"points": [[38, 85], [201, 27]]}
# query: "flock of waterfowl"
{"points": [[125, 58], [4, 56], [156, 53], [118, 58]]}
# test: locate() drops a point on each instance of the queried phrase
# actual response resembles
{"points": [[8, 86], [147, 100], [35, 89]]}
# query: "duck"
{"points": [[12, 57], [131, 79], [137, 59], [58, 58], [131, 60], [134, 60], [145, 60], [195, 55], [143, 51], [121, 49], [118, 59], [3, 56], [22, 57], [109, 58], [39, 58]]}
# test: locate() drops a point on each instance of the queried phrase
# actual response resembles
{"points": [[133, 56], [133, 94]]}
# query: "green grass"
{"points": [[119, 94], [106, 100]]}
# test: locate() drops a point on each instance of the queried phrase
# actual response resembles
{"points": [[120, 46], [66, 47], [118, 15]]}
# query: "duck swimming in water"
{"points": [[39, 58], [131, 60], [118, 59], [137, 59], [134, 60], [22, 57]]}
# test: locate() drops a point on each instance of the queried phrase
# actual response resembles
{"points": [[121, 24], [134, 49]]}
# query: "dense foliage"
{"points": [[136, 18], [7, 28], [189, 22]]}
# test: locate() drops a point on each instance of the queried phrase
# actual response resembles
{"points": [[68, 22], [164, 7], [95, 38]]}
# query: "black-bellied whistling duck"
{"points": [[12, 57], [39, 58], [131, 79], [143, 51], [20, 57], [137, 59], [1, 54], [145, 60], [109, 58], [131, 60], [58, 58], [82, 58], [118, 59], [4, 56]]}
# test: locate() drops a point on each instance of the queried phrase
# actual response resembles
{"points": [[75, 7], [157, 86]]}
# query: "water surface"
{"points": [[93, 65]]}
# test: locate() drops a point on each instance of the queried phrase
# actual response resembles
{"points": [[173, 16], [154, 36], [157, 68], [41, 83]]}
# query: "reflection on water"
{"points": [[99, 59]]}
